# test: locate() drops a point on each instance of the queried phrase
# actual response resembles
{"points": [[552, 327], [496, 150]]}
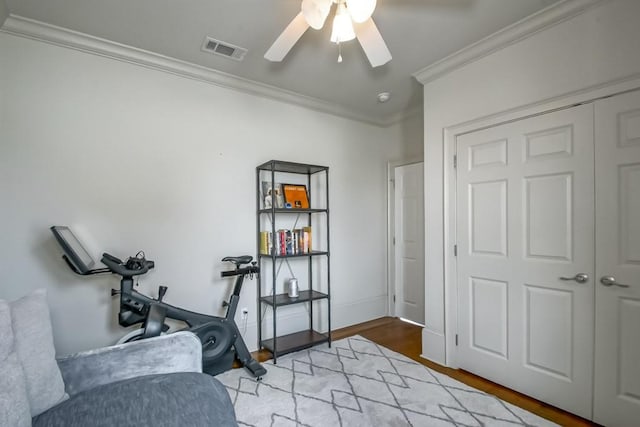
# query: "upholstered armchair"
{"points": [[152, 382]]}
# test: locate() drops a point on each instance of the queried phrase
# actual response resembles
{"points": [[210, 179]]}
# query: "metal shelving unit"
{"points": [[308, 336]]}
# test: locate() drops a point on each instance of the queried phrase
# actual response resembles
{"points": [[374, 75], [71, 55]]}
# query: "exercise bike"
{"points": [[220, 337]]}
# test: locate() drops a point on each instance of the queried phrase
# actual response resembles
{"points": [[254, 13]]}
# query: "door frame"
{"points": [[391, 193], [449, 176]]}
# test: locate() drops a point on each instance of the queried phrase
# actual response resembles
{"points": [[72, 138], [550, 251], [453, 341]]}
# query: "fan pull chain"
{"points": [[339, 52]]}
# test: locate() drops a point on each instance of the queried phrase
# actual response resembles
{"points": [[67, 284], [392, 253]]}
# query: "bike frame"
{"points": [[134, 305]]}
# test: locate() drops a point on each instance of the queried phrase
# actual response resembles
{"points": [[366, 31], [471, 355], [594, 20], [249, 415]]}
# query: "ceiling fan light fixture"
{"points": [[361, 10], [314, 13], [342, 26]]}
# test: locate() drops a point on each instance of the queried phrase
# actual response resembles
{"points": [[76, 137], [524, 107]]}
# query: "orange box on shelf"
{"points": [[295, 196]]}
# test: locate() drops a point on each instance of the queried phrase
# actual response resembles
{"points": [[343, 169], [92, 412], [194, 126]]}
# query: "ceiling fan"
{"points": [[314, 13]]}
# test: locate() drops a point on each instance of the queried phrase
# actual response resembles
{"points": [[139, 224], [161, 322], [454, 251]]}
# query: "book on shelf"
{"points": [[307, 238], [265, 243], [286, 242]]}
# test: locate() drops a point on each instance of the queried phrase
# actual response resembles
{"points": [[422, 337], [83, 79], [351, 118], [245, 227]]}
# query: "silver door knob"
{"points": [[580, 278], [611, 281]]}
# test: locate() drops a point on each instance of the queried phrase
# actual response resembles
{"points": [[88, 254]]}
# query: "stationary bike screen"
{"points": [[75, 253]]}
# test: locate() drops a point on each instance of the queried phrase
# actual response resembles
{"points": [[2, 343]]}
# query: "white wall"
{"points": [[585, 53], [133, 158], [410, 133]]}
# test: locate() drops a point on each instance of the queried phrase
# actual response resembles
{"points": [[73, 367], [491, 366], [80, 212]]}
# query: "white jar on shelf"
{"points": [[293, 287]]}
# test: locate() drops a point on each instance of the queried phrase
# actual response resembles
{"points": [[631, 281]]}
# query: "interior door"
{"points": [[409, 242], [617, 350], [525, 228]]}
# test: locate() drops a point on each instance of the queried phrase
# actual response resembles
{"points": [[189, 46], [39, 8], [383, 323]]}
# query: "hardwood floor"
{"points": [[405, 338]]}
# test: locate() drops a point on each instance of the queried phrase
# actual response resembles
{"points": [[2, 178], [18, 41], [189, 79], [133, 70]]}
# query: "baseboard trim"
{"points": [[433, 345]]}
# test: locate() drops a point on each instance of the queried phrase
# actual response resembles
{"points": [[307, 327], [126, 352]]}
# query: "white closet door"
{"points": [[617, 354], [524, 219]]}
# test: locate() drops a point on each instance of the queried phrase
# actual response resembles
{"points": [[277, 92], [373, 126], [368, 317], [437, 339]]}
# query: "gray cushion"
{"points": [[178, 399], [14, 402], [33, 340], [179, 352], [6, 330]]}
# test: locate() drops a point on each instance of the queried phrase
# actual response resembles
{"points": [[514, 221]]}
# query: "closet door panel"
{"points": [[617, 335], [525, 220]]}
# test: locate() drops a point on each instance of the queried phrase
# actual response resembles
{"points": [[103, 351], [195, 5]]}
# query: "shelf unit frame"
{"points": [[280, 345]]}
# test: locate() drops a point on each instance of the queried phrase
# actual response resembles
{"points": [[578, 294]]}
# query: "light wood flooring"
{"points": [[405, 338]]}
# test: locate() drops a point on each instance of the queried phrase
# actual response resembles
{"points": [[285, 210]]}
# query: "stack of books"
{"points": [[286, 242]]}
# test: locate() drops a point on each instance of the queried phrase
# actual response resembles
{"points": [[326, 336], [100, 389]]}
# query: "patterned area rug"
{"points": [[359, 383]]}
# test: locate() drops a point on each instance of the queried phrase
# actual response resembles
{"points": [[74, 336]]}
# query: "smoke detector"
{"points": [[225, 49]]}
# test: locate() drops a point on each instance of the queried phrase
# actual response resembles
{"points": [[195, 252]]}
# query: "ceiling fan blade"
{"points": [[316, 12], [372, 43], [361, 10], [287, 39]]}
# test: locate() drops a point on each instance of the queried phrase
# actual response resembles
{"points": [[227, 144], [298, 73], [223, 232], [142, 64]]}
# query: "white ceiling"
{"points": [[417, 32]]}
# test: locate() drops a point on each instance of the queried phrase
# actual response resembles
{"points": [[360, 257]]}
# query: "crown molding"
{"points": [[547, 17], [36, 30]]}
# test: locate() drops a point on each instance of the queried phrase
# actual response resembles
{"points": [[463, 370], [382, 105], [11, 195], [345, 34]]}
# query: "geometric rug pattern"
{"points": [[357, 382]]}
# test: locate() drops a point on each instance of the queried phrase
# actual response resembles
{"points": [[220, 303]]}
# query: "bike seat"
{"points": [[238, 260]]}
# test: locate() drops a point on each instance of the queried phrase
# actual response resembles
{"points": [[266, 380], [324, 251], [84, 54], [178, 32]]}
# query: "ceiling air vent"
{"points": [[225, 49]]}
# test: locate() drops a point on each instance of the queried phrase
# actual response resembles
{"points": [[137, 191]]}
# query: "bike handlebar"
{"points": [[137, 266], [133, 266], [252, 269], [112, 258]]}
